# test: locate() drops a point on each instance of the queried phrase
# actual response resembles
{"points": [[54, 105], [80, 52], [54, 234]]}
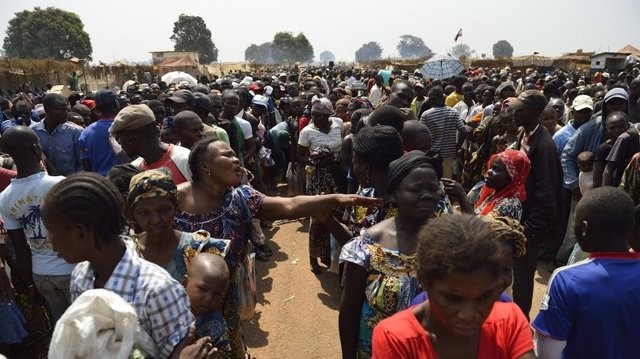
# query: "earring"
{"points": [[209, 173]]}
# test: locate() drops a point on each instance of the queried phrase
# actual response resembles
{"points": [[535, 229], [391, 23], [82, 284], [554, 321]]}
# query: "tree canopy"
{"points": [[190, 33], [288, 48], [47, 33], [326, 56], [369, 51], [412, 46], [502, 48], [462, 50], [259, 53]]}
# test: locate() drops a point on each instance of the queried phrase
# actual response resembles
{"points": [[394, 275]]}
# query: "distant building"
{"points": [[159, 57], [579, 60], [612, 61]]}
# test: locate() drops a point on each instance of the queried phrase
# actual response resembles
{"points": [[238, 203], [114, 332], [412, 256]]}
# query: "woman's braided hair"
{"points": [[89, 199], [509, 231]]}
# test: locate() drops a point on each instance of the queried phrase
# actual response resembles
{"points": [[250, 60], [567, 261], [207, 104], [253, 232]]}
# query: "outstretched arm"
{"points": [[274, 208]]}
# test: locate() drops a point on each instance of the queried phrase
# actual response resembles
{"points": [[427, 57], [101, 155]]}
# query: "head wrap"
{"points": [[322, 105], [400, 168], [153, 183], [518, 166]]}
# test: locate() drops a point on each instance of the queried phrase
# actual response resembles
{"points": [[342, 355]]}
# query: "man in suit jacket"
{"points": [[540, 210]]}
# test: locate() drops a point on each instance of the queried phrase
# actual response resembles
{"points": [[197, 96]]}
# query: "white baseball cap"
{"points": [[581, 102]]}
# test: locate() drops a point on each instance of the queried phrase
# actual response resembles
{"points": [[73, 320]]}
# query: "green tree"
{"points": [[502, 48], [190, 33], [412, 46], [288, 48], [326, 56], [369, 51], [259, 53], [48, 33], [462, 50]]}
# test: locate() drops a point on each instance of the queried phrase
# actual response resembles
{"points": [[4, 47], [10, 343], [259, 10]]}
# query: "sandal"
{"points": [[261, 256], [264, 248], [326, 261]]}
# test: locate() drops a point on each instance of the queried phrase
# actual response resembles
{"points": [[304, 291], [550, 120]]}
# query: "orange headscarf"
{"points": [[518, 166]]}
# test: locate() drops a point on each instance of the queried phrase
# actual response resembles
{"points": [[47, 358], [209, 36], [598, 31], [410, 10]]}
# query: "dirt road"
{"points": [[297, 311]]}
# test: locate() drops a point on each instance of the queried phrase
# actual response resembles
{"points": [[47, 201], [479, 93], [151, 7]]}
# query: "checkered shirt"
{"points": [[161, 303]]}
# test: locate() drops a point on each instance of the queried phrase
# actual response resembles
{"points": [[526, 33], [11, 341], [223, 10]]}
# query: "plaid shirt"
{"points": [[161, 303]]}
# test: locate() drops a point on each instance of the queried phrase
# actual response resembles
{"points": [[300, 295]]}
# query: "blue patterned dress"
{"points": [[391, 285]]}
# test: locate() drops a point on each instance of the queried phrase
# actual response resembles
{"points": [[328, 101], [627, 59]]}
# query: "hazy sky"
{"points": [[131, 29]]}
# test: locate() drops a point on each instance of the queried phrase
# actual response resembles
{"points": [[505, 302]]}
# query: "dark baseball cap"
{"points": [[533, 99], [203, 101], [106, 98], [182, 96]]}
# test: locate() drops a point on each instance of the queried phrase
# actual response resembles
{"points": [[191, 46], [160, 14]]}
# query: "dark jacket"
{"points": [[540, 212]]}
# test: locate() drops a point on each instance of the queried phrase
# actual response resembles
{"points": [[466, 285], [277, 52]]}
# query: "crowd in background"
{"points": [[432, 200]]}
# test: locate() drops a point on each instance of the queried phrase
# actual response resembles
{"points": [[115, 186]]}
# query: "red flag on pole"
{"points": [[459, 34]]}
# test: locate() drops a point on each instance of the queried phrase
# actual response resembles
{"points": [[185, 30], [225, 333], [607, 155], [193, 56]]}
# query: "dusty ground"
{"points": [[297, 311]]}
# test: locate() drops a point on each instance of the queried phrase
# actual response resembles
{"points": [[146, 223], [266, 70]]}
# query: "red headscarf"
{"points": [[518, 166]]}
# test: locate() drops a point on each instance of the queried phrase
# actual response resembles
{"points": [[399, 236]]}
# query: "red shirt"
{"points": [[303, 122], [505, 334], [5, 177], [166, 161]]}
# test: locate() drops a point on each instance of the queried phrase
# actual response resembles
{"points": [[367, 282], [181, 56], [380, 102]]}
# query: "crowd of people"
{"points": [[433, 199]]}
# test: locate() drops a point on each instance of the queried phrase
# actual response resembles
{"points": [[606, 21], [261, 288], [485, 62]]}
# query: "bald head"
{"points": [[416, 136], [208, 266], [20, 142], [185, 118]]}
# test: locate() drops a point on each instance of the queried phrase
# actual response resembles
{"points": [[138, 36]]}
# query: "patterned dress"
{"points": [[232, 220], [362, 217], [630, 181], [213, 325], [190, 244], [391, 285], [506, 207]]}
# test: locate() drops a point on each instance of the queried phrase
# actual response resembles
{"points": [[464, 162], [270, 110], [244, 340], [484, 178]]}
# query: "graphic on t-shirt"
{"points": [[31, 222]]}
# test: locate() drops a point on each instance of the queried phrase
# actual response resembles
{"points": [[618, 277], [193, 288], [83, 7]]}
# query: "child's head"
{"points": [[416, 136], [82, 213], [585, 161], [460, 261], [604, 220], [206, 282]]}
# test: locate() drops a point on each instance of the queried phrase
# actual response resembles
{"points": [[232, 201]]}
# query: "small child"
{"points": [[585, 178], [206, 284]]}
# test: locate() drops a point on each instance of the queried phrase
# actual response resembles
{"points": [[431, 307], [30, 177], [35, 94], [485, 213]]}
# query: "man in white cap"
{"points": [[590, 135], [582, 108]]}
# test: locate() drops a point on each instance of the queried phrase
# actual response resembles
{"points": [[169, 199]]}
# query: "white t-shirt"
{"points": [[20, 209], [375, 94], [313, 138], [245, 126]]}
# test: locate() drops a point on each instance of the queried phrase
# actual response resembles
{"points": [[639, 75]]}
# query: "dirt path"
{"points": [[297, 311]]}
